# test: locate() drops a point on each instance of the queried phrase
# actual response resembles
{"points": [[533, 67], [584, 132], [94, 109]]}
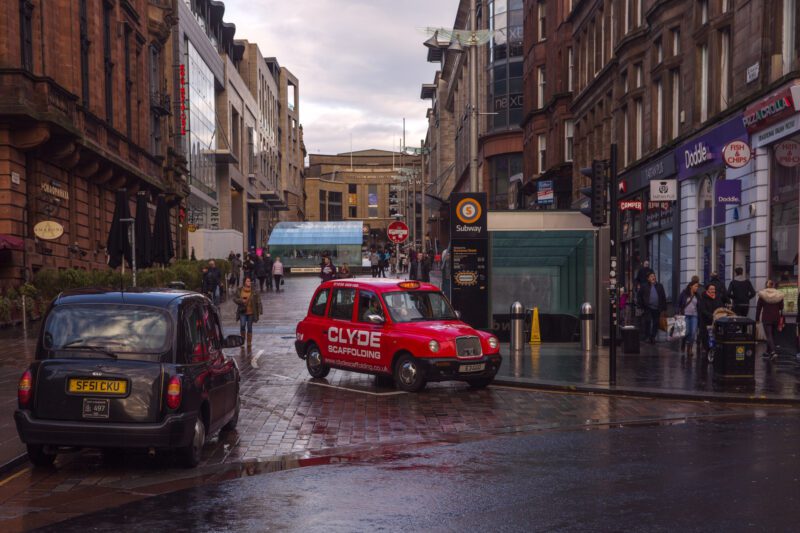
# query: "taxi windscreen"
{"points": [[114, 330], [418, 306]]}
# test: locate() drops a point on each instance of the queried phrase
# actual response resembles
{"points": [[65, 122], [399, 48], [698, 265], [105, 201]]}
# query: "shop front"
{"points": [[714, 236], [774, 124], [647, 223]]}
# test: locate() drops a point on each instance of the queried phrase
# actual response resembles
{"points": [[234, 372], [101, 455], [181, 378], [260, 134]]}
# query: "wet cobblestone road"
{"points": [[289, 420]]}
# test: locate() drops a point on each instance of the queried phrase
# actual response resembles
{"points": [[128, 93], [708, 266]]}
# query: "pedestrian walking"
{"points": [[277, 274], [706, 306], [769, 311], [249, 265], [643, 274], [344, 272], [327, 270], [383, 263], [261, 272], [654, 299], [722, 294], [248, 310], [424, 263], [741, 291], [413, 269], [236, 271], [212, 281], [393, 264], [268, 269], [687, 305], [374, 261]]}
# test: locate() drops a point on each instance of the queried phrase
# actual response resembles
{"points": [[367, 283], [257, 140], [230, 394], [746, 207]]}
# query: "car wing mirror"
{"points": [[375, 319], [458, 315], [233, 341]]}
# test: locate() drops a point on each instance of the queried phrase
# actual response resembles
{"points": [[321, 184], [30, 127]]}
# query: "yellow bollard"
{"points": [[536, 337]]}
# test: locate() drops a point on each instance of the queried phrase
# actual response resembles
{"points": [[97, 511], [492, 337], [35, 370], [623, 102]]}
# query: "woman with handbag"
{"points": [[687, 305], [277, 273], [769, 311], [248, 310]]}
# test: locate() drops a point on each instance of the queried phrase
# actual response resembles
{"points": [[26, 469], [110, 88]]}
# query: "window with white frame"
{"points": [[569, 139], [541, 144], [639, 129], [703, 52], [626, 17], [659, 52], [703, 7], [676, 41], [676, 102], [541, 16], [570, 68], [625, 138], [540, 84], [638, 70], [788, 34], [638, 13], [725, 6], [724, 68], [659, 113]]}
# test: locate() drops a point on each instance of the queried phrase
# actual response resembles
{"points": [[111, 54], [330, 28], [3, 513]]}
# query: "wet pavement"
{"points": [[289, 420], [703, 475]]}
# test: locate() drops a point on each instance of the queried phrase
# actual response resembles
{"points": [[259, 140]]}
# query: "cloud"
{"points": [[360, 63]]}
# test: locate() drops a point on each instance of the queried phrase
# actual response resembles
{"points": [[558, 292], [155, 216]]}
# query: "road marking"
{"points": [[282, 377], [14, 476], [328, 385]]}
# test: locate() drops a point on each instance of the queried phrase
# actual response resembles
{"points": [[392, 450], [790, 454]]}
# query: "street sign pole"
{"points": [[612, 278]]}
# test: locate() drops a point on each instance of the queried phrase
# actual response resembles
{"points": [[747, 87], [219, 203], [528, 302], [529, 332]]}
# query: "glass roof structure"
{"points": [[317, 233]]}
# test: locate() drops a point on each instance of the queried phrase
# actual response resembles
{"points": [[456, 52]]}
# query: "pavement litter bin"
{"points": [[735, 349], [630, 339]]}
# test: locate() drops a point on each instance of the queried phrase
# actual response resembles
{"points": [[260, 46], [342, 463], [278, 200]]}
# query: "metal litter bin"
{"points": [[630, 339], [735, 350]]}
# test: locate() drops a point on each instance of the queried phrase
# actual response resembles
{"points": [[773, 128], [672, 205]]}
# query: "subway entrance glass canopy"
{"points": [[304, 243]]}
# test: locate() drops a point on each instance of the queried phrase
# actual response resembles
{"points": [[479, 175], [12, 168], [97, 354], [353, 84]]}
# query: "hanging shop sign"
{"points": [[48, 230], [182, 78], [787, 153], [736, 154], [630, 205], [664, 190], [728, 192]]}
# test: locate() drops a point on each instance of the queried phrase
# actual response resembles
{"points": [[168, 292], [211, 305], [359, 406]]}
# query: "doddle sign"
{"points": [[354, 342]]}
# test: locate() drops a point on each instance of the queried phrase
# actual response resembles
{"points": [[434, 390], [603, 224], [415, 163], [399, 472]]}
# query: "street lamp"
{"points": [[471, 38]]}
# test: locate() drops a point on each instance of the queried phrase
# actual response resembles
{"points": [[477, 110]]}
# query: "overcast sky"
{"points": [[360, 63]]}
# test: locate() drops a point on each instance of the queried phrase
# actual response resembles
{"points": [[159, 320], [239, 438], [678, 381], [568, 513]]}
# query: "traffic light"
{"points": [[596, 208]]}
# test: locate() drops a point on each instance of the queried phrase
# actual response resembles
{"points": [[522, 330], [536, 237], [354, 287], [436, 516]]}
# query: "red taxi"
{"points": [[403, 329]]}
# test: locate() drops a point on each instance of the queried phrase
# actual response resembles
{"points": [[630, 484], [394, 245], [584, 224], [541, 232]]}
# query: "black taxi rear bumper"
{"points": [[175, 431], [460, 369]]}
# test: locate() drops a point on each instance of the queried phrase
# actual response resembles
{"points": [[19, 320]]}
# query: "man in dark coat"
{"points": [[654, 300], [267, 260], [212, 281], [741, 291], [709, 302], [424, 268], [643, 274], [261, 273]]}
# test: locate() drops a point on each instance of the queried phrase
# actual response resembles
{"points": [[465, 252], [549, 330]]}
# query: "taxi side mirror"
{"points": [[232, 341], [375, 319], [458, 315]]}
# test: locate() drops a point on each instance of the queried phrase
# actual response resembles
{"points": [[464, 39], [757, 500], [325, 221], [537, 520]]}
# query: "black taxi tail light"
{"points": [[25, 389], [174, 392]]}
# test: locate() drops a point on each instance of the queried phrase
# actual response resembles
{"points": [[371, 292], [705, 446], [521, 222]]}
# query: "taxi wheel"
{"points": [[480, 383], [314, 363], [409, 375], [38, 457], [191, 454]]}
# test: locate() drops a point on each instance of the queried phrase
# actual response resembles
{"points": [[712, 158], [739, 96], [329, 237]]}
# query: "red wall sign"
{"points": [[630, 205], [182, 72], [397, 232], [771, 109]]}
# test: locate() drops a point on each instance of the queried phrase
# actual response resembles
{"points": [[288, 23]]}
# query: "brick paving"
{"points": [[289, 420]]}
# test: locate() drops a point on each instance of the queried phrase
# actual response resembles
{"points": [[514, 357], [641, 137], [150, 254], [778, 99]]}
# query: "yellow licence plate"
{"points": [[98, 386]]}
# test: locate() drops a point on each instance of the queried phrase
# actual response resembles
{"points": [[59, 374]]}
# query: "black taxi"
{"points": [[128, 369]]}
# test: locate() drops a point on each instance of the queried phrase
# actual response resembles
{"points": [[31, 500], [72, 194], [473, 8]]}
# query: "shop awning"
{"points": [[8, 242]]}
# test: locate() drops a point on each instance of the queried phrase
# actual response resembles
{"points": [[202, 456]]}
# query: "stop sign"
{"points": [[397, 232]]}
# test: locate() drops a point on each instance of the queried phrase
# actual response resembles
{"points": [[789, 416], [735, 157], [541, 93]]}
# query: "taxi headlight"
{"points": [[433, 346], [493, 343]]}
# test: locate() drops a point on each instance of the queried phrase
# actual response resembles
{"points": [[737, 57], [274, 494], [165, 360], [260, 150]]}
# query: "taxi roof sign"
{"points": [[408, 284]]}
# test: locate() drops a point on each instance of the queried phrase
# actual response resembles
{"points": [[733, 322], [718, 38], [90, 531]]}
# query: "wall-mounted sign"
{"points": [[787, 153], [704, 152], [664, 190], [697, 155], [48, 230], [15, 177], [544, 193], [182, 96], [54, 189], [469, 243], [630, 205], [728, 192], [736, 154], [773, 108], [468, 219], [752, 72]]}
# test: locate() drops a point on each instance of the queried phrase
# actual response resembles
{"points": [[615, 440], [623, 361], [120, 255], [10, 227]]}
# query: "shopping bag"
{"points": [[662, 323], [760, 335], [678, 328]]}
